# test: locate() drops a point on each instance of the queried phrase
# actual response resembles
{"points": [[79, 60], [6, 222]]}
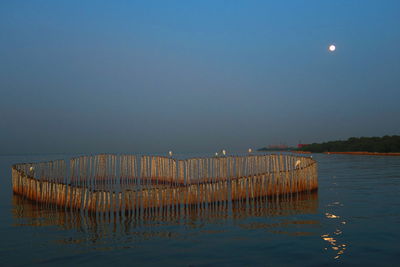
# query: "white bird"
{"points": [[297, 165], [223, 152], [170, 153], [250, 150], [216, 154]]}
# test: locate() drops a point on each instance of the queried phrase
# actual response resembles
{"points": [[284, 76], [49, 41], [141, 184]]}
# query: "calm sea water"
{"points": [[353, 219]]}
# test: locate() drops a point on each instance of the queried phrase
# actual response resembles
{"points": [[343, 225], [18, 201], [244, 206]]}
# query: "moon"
{"points": [[332, 48]]}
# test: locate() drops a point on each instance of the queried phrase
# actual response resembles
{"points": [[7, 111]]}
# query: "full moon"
{"points": [[332, 48]]}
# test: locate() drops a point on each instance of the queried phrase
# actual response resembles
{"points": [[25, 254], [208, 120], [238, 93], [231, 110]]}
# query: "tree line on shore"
{"points": [[385, 144]]}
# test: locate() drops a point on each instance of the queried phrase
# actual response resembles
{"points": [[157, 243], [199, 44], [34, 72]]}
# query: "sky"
{"points": [[195, 76]]}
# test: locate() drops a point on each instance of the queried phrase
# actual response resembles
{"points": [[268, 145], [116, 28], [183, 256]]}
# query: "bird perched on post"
{"points": [[297, 165], [31, 171], [170, 153]]}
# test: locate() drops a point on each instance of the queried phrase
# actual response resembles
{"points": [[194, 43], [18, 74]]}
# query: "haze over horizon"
{"points": [[97, 76]]}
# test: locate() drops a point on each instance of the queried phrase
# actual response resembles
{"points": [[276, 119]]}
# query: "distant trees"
{"points": [[385, 144]]}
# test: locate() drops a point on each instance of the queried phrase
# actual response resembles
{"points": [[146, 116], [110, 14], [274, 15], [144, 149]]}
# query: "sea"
{"points": [[353, 219]]}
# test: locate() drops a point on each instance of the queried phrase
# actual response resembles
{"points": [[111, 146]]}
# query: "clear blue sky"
{"points": [[195, 76]]}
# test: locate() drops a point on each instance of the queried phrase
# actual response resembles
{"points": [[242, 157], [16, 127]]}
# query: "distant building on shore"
{"points": [[302, 145]]}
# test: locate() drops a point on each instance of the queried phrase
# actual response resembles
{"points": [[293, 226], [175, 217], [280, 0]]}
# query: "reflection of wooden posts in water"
{"points": [[46, 215], [111, 183]]}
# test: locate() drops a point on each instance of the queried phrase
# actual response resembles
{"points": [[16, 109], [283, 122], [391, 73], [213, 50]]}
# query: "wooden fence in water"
{"points": [[130, 183]]}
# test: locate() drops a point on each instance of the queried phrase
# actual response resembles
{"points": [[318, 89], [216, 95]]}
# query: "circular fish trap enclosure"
{"points": [[130, 183]]}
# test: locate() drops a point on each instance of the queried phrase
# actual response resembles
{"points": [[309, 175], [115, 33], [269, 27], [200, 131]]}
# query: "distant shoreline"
{"points": [[374, 146], [365, 153]]}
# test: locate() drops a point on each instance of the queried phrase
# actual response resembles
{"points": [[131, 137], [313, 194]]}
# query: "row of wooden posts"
{"points": [[115, 183]]}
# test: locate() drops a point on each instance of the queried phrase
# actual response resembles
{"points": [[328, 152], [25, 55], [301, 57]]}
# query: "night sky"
{"points": [[195, 76]]}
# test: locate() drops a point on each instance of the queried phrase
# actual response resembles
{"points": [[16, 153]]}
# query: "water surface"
{"points": [[352, 219]]}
